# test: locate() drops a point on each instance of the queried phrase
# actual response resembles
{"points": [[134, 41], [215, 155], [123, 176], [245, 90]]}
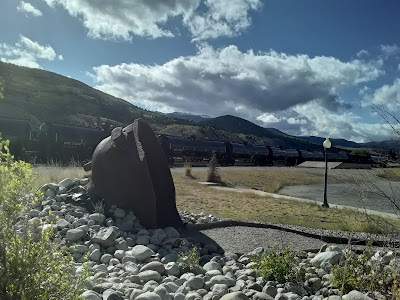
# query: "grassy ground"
{"points": [[56, 174], [194, 197], [391, 174], [267, 180]]}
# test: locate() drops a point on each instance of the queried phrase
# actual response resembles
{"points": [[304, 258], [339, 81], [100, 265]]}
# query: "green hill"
{"points": [[40, 95]]}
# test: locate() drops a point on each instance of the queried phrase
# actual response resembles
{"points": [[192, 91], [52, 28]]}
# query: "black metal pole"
{"points": [[325, 204]]}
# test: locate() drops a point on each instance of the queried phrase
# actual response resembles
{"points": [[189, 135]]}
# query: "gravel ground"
{"points": [[242, 239]]}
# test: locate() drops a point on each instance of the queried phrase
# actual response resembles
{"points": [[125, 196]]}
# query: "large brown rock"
{"points": [[130, 170]]}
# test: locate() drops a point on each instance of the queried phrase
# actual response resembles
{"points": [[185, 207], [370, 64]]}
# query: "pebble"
{"points": [[128, 261]]}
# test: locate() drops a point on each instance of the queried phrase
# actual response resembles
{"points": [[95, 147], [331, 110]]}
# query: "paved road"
{"points": [[352, 188]]}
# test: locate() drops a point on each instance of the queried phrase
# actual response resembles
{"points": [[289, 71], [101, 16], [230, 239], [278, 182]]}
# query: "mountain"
{"points": [[269, 136], [40, 95], [188, 116], [335, 142], [387, 145]]}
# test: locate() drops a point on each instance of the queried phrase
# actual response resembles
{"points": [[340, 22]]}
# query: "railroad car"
{"points": [[19, 133], [255, 155], [195, 151], [65, 142]]}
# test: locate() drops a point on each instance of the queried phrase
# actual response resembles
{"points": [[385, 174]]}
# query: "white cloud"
{"points": [[29, 9], [60, 57], [215, 81], [322, 122], [296, 121], [362, 53], [385, 95], [268, 118], [26, 53], [390, 50], [124, 19], [292, 91], [222, 18]]}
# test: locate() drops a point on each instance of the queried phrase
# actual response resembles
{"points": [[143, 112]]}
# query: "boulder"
{"points": [[356, 295], [105, 237], [130, 170], [331, 257], [235, 296]]}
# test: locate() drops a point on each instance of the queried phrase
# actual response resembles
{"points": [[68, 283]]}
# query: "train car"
{"points": [[292, 157], [276, 155], [65, 142], [195, 151], [338, 156], [19, 133], [359, 158], [255, 155]]}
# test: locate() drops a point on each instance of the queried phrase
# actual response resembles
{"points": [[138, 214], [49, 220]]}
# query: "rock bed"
{"points": [[128, 261]]}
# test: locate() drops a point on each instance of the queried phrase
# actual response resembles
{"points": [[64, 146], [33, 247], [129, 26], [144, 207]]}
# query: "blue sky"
{"points": [[305, 67]]}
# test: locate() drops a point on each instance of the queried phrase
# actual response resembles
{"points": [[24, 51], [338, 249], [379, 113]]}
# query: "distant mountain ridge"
{"points": [[337, 142], [188, 116], [40, 95]]}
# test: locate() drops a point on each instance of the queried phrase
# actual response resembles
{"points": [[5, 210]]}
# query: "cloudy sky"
{"points": [[307, 67]]}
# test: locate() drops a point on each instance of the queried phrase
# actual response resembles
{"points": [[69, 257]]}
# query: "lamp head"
{"points": [[327, 143]]}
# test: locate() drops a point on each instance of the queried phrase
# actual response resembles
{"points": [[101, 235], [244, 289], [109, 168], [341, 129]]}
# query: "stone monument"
{"points": [[130, 170]]}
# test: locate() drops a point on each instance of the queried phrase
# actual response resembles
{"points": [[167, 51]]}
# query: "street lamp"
{"points": [[327, 144]]}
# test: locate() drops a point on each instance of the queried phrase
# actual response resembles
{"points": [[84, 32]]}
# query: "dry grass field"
{"points": [[194, 197], [56, 174], [267, 180], [391, 174]]}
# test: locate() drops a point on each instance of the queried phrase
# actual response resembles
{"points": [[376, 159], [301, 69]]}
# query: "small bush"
{"points": [[188, 169], [278, 264], [360, 272], [99, 207], [189, 260], [212, 173], [32, 266]]}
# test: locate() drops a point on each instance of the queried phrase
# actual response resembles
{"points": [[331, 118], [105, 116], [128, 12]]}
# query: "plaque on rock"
{"points": [[130, 170]]}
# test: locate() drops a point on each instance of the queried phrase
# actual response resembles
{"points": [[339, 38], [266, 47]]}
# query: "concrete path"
{"points": [[365, 196]]}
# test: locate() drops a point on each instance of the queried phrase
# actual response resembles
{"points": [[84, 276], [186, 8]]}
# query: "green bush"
{"points": [[359, 272], [278, 264], [189, 260], [32, 266], [99, 207]]}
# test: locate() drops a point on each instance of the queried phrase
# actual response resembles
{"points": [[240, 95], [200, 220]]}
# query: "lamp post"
{"points": [[327, 144]]}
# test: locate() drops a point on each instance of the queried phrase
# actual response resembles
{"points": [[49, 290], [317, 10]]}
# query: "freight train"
{"points": [[51, 142], [65, 142], [228, 153]]}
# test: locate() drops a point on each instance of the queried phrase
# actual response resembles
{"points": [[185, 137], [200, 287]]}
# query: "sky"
{"points": [[306, 67]]}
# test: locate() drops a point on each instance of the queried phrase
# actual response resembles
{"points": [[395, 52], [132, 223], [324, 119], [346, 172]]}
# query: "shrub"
{"points": [[360, 272], [278, 264], [32, 266], [188, 169], [99, 207], [212, 173], [189, 260]]}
